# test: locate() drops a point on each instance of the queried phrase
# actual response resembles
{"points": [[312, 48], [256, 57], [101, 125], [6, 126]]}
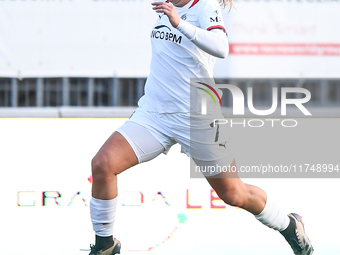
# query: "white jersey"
{"points": [[175, 59]]}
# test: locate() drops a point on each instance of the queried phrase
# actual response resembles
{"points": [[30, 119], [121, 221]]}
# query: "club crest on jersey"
{"points": [[184, 17], [159, 33]]}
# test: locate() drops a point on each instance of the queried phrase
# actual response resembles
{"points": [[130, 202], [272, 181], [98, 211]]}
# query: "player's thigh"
{"points": [[143, 142], [129, 145], [114, 156]]}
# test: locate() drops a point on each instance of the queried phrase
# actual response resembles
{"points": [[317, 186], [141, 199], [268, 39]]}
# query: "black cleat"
{"points": [[115, 249], [298, 239]]}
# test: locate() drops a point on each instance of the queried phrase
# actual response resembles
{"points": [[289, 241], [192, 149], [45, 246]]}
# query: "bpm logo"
{"points": [[165, 35]]}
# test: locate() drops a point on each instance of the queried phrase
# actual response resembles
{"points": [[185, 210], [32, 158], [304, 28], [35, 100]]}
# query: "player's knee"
{"points": [[102, 168]]}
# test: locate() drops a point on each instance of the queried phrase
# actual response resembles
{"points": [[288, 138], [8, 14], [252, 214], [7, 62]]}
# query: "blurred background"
{"points": [[72, 71], [97, 53]]}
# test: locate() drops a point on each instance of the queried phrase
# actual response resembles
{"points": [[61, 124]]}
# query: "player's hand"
{"points": [[169, 10]]}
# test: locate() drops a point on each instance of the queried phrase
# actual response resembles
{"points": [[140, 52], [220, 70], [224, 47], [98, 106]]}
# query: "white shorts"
{"points": [[152, 133]]}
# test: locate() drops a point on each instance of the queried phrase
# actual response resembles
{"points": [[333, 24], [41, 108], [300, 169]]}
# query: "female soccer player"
{"points": [[186, 39]]}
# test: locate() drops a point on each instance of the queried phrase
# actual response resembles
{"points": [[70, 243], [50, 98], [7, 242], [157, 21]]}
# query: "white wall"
{"points": [[84, 38]]}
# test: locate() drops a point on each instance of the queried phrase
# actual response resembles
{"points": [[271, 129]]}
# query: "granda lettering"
{"points": [[48, 198], [129, 199]]}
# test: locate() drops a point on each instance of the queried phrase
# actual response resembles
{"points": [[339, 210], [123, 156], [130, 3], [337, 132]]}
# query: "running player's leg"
{"points": [[115, 156], [211, 148], [234, 192], [133, 144]]}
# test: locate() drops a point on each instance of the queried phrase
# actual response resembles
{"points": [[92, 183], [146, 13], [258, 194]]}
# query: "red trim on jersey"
{"points": [[195, 2], [218, 26]]}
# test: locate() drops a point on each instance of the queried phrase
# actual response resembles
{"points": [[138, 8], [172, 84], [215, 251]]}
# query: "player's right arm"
{"points": [[214, 42]]}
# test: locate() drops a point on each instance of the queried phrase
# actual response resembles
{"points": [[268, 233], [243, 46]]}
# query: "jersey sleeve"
{"points": [[210, 16]]}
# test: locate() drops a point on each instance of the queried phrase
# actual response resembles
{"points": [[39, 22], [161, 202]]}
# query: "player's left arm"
{"points": [[210, 37]]}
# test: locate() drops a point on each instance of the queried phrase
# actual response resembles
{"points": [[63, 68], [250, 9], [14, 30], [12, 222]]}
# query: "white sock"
{"points": [[272, 216], [103, 214]]}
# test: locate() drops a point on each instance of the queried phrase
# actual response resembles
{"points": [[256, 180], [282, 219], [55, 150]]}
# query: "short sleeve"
{"points": [[210, 16]]}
